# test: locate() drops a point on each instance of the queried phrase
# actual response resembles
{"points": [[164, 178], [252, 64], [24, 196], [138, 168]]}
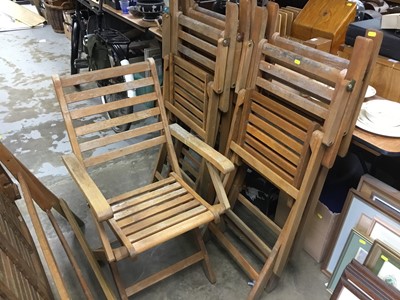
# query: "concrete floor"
{"points": [[32, 128]]}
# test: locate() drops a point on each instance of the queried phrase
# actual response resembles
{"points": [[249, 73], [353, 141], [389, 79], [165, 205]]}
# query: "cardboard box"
{"points": [[391, 21], [320, 232]]}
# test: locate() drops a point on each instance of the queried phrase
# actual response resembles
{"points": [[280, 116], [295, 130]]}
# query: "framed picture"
{"points": [[357, 247], [385, 233], [358, 282], [379, 192], [384, 262], [346, 291], [355, 206]]}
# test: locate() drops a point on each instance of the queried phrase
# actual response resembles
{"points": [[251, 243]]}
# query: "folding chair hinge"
{"points": [[350, 85], [226, 42]]}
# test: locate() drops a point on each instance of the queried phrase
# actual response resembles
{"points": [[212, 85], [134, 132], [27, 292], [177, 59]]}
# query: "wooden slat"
{"points": [[285, 113], [190, 92], [269, 174], [297, 80], [273, 142], [124, 217], [190, 80], [269, 155], [107, 124], [182, 264], [150, 187], [199, 43], [208, 63], [159, 214], [69, 80], [141, 216], [43, 242], [250, 234], [271, 165], [175, 230], [191, 70], [110, 139], [199, 27], [104, 107], [198, 103], [109, 89], [316, 54], [12, 254], [261, 216], [282, 130], [94, 160], [206, 18], [234, 252], [292, 98], [194, 123], [164, 225], [190, 108], [301, 64]]}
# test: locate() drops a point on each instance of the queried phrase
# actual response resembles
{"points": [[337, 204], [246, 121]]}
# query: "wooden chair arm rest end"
{"points": [[210, 154], [88, 187]]}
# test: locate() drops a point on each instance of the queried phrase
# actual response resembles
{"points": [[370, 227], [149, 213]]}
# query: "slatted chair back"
{"points": [[358, 70], [283, 126], [96, 143]]}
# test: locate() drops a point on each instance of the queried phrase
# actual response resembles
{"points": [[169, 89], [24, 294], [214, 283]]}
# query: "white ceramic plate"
{"points": [[371, 91], [364, 123], [383, 112]]}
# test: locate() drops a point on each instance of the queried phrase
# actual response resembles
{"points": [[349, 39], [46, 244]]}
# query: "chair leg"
{"points": [[118, 281], [206, 260]]}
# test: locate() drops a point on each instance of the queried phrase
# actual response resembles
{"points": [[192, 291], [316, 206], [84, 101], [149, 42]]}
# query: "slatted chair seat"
{"points": [[145, 216]]}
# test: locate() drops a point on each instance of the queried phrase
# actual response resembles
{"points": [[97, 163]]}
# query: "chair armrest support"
{"points": [[206, 151], [92, 193]]}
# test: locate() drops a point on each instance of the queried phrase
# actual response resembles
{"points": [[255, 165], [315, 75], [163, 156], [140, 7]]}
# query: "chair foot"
{"points": [[272, 283], [118, 281], [209, 272]]}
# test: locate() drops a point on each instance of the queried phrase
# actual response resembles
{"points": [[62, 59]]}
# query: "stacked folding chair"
{"points": [[199, 47], [288, 125]]}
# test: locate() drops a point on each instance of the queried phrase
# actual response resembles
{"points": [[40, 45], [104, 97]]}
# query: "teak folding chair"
{"points": [[282, 128], [197, 70], [147, 216]]}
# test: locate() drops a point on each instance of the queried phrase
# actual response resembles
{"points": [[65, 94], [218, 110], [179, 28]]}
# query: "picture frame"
{"points": [[357, 281], [357, 247], [346, 291], [384, 262], [355, 205], [379, 192], [385, 233]]}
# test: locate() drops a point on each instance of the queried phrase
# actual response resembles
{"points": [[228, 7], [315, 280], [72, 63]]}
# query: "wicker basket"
{"points": [[54, 13]]}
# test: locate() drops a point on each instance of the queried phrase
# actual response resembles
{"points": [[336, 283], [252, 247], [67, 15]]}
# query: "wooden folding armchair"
{"points": [[140, 217], [282, 128]]}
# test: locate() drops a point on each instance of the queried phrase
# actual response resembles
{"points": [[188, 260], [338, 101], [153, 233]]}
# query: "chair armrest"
{"points": [[88, 187], [210, 154]]}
